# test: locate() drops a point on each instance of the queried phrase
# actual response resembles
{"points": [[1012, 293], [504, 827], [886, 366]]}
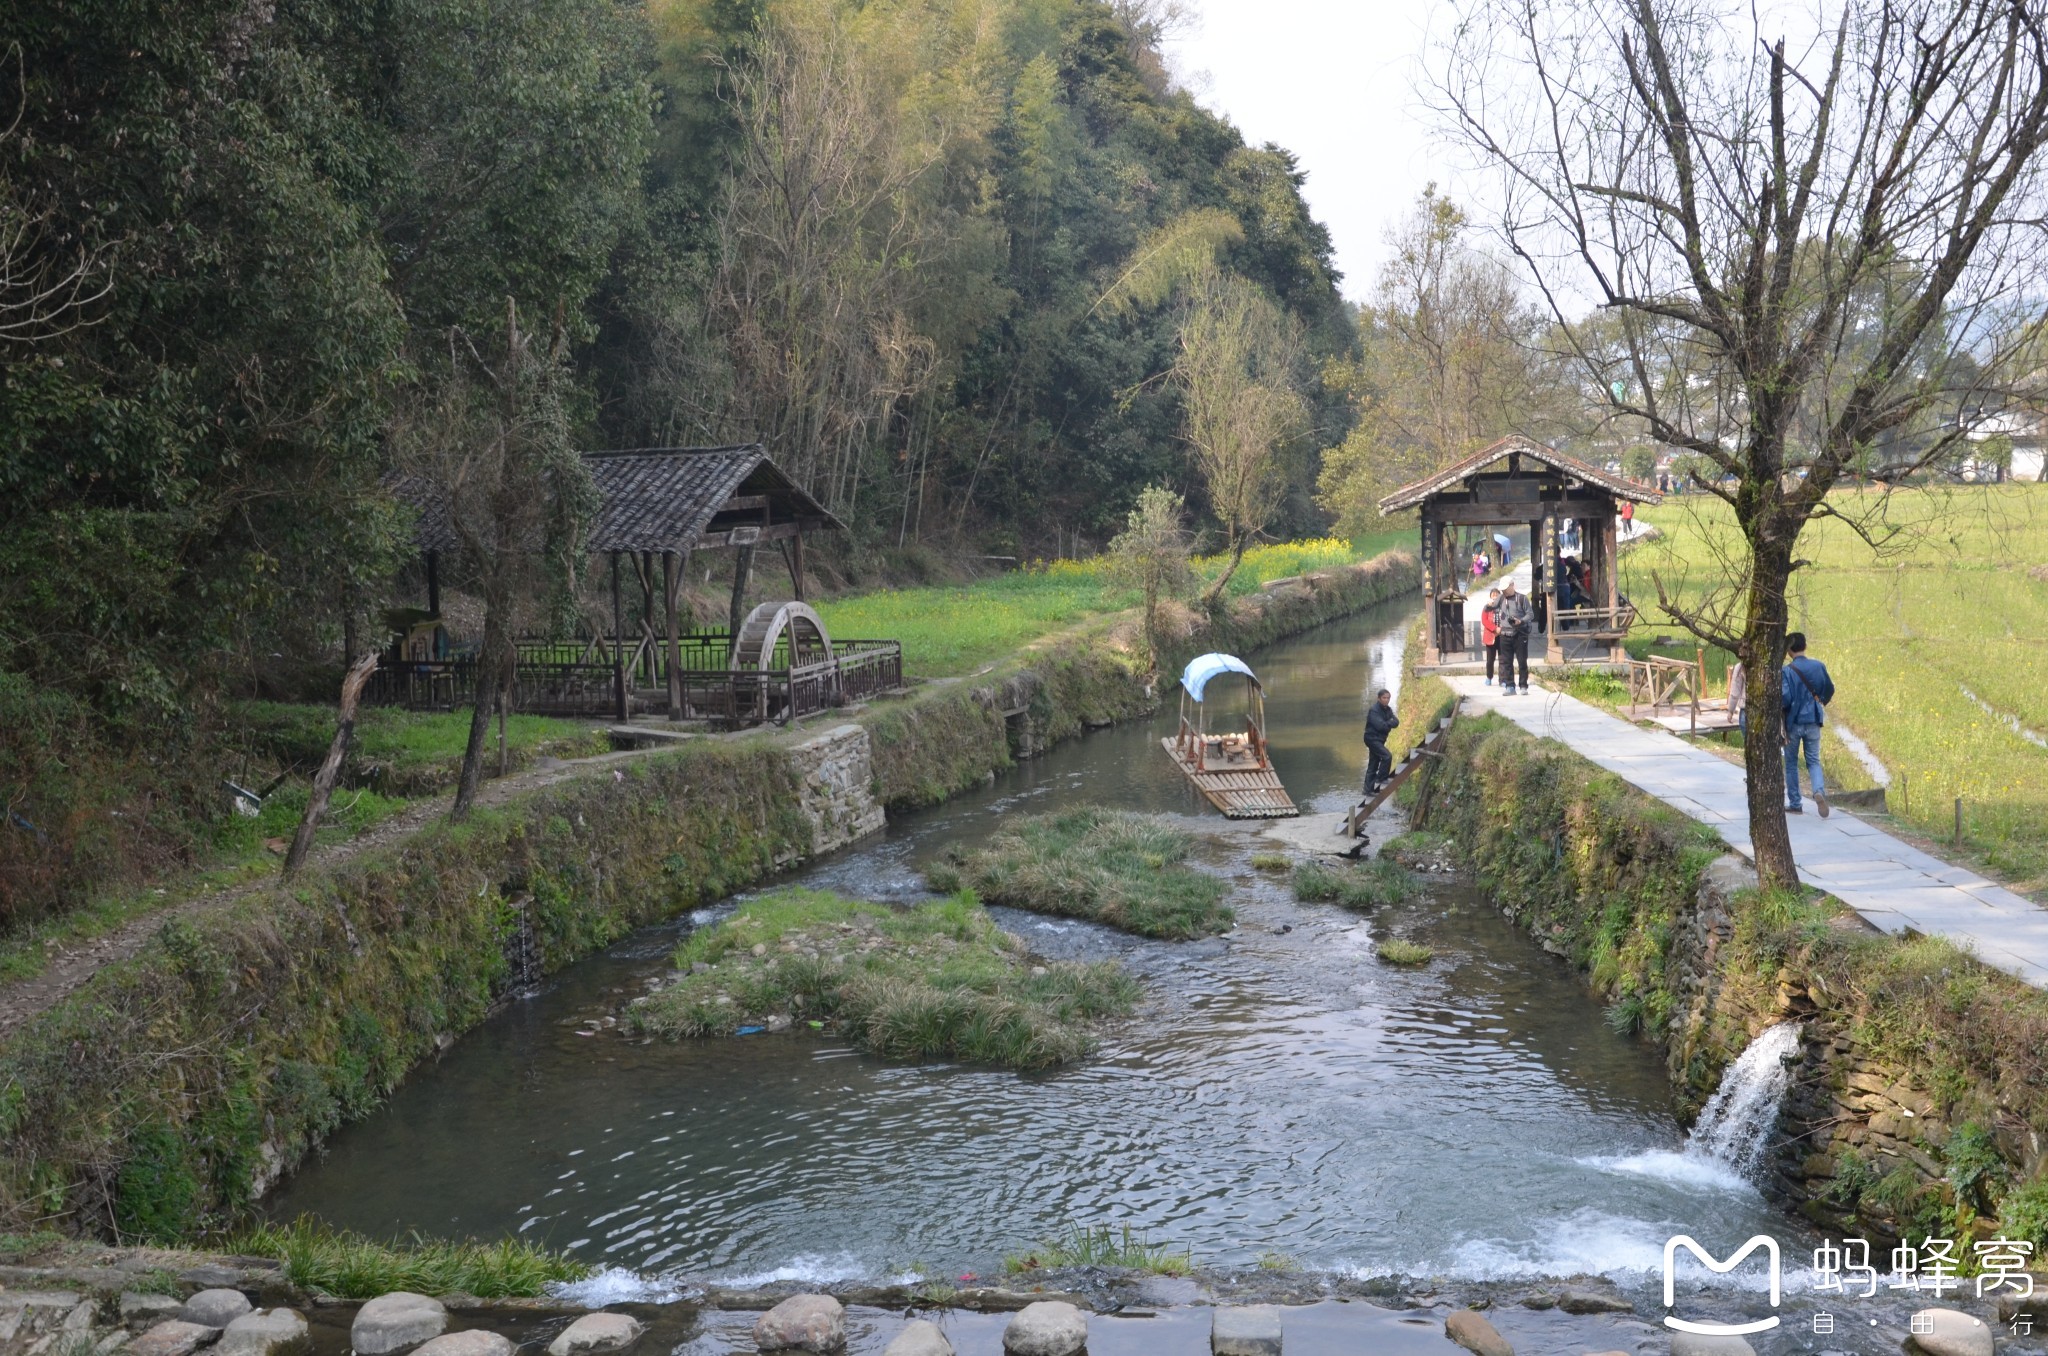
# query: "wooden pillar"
{"points": [[672, 586], [796, 561], [434, 583], [1610, 552], [621, 708], [742, 570], [1430, 653], [1554, 567]]}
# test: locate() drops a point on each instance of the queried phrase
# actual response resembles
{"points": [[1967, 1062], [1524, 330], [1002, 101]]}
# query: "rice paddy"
{"points": [[1938, 644]]}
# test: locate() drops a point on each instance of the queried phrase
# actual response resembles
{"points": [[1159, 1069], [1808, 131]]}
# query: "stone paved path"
{"points": [[1893, 885]]}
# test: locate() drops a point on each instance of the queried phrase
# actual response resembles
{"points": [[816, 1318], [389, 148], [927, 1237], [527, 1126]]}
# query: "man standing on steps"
{"points": [[1380, 721], [1804, 689], [1511, 621]]}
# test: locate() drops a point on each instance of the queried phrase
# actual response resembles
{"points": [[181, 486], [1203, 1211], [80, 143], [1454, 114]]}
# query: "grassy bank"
{"points": [[1125, 871], [938, 981], [1938, 647], [1927, 1078]]}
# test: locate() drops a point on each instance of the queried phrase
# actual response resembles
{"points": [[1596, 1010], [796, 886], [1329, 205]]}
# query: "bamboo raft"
{"points": [[1233, 771]]}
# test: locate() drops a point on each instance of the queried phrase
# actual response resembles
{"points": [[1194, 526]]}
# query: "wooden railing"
{"points": [[599, 679]]}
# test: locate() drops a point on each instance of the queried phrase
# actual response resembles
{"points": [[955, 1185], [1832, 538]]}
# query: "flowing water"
{"points": [[1282, 1092]]}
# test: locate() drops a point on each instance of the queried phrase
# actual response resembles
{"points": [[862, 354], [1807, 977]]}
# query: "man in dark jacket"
{"points": [[1804, 690], [1512, 619], [1380, 721]]}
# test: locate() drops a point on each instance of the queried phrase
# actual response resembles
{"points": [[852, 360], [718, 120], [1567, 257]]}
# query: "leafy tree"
{"points": [[1639, 462], [1151, 555]]}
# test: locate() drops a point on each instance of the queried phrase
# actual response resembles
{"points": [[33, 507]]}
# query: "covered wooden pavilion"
{"points": [[1520, 482], [658, 507]]}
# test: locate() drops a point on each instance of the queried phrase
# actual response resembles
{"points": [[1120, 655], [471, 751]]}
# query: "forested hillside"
{"points": [[934, 252]]}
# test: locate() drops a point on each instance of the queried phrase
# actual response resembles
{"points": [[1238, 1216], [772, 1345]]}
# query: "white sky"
{"points": [[1334, 81]]}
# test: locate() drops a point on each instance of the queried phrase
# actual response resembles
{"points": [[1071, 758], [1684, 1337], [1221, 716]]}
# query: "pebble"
{"points": [[1470, 1330], [597, 1332], [1705, 1344], [1574, 1301], [215, 1308], [263, 1332], [815, 1323], [1047, 1328], [1245, 1330], [921, 1338], [173, 1337], [396, 1321], [470, 1342], [1955, 1334]]}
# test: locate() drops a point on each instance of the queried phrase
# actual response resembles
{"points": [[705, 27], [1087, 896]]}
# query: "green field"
{"points": [[1950, 618], [949, 630]]}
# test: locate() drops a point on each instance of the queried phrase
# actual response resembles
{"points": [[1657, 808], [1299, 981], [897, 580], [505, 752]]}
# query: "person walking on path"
{"points": [[1489, 631], [1380, 721], [1804, 690], [1512, 619]]}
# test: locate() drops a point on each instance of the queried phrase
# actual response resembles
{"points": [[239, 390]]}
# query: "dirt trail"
{"points": [[70, 969]]}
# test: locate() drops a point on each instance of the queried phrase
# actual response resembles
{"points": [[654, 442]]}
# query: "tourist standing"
{"points": [[1380, 721], [1804, 690], [1489, 631], [1512, 619]]}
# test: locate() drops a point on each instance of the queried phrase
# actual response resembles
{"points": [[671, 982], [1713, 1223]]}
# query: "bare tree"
{"points": [[49, 279], [494, 444], [1236, 373], [1818, 245]]}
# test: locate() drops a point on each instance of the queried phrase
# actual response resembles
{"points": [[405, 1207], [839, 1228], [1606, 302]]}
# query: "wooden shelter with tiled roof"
{"points": [[656, 508], [1520, 482]]}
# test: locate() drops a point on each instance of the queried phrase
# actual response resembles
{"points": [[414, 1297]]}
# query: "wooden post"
{"points": [[1610, 553], [330, 768], [1430, 653], [672, 586], [742, 570], [796, 561], [623, 711], [434, 583]]}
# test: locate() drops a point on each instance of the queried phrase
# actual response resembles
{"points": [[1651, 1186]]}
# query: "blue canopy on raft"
{"points": [[1202, 668]]}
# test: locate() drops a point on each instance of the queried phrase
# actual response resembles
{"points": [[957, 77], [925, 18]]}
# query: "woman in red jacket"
{"points": [[1489, 632]]}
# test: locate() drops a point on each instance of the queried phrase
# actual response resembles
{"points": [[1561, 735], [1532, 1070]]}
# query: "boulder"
{"points": [[1470, 1330], [1709, 1344], [263, 1332], [1954, 1334], [596, 1332], [802, 1323], [1246, 1330], [1577, 1301], [921, 1338], [145, 1310], [469, 1342], [1047, 1328], [215, 1308], [172, 1337], [396, 1321]]}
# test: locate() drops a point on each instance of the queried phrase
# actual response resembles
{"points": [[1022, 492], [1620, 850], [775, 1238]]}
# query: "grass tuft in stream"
{"points": [[1102, 1246], [1355, 887], [939, 981], [1125, 870], [1397, 951], [350, 1266], [1271, 861]]}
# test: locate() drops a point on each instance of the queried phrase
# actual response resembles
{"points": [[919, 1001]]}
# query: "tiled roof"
{"points": [[650, 499], [1621, 487]]}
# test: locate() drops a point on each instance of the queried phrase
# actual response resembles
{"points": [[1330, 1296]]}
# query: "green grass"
{"points": [[350, 1266], [1102, 1246], [1271, 861], [1908, 636], [939, 981], [1396, 951], [1109, 866], [948, 630], [1355, 887], [406, 753]]}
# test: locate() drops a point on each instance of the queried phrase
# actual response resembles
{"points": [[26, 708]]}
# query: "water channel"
{"points": [[1283, 1092]]}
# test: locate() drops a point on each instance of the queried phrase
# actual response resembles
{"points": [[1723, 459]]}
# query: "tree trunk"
{"points": [[1214, 593], [1763, 751], [330, 770], [489, 683]]}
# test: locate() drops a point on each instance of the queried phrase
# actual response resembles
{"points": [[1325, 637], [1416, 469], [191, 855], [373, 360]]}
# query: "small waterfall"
{"points": [[1735, 1127]]}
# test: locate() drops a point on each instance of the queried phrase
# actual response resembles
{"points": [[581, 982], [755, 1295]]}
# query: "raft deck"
{"points": [[1230, 773]]}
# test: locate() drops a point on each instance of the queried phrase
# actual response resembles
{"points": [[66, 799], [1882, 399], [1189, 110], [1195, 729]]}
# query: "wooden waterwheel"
{"points": [[801, 631]]}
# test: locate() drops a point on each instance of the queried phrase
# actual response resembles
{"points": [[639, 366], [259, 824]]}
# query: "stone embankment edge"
{"points": [[178, 1084], [1667, 925]]}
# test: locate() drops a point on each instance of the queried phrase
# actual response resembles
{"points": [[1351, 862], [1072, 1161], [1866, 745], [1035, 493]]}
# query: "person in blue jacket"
{"points": [[1804, 690]]}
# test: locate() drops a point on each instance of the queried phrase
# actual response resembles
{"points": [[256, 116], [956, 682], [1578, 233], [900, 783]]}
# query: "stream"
{"points": [[1282, 1094]]}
